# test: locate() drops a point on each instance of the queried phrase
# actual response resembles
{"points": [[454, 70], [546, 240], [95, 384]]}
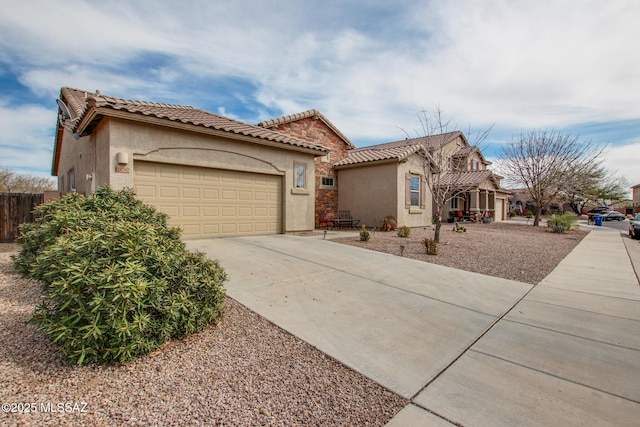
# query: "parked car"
{"points": [[611, 215], [599, 209], [634, 227]]}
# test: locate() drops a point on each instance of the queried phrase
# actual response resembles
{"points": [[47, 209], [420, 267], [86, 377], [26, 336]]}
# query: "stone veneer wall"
{"points": [[315, 131]]}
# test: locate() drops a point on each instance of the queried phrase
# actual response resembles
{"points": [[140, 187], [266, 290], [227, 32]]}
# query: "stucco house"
{"points": [[217, 176], [391, 179], [213, 175]]}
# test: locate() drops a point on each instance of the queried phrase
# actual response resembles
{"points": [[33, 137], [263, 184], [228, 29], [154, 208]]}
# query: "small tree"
{"points": [[594, 185], [545, 161], [443, 175]]}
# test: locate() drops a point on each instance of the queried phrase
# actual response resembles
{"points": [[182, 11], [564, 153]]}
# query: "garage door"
{"points": [[211, 202], [499, 214]]}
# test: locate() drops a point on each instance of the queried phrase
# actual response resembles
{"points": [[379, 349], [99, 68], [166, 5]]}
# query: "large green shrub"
{"points": [[118, 282], [562, 223]]}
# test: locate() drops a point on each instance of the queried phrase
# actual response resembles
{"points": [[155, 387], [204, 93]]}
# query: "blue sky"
{"points": [[369, 66]]}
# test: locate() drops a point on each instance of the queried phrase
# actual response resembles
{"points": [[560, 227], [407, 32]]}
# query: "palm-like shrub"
{"points": [[118, 282]]}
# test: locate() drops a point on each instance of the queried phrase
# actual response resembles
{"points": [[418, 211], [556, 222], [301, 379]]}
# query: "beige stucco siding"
{"points": [[369, 192], [79, 155], [372, 192], [156, 143]]}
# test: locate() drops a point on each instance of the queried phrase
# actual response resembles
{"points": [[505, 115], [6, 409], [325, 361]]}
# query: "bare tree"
{"points": [[443, 173], [545, 161], [13, 182]]}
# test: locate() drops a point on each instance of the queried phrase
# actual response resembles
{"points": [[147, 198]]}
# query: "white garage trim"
{"points": [[207, 202]]}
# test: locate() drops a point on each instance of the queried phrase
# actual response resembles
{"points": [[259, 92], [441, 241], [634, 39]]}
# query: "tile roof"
{"points": [[304, 115], [83, 103], [370, 155], [469, 178], [428, 142], [465, 151], [398, 150]]}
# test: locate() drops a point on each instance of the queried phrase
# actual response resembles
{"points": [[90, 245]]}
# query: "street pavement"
{"points": [[463, 348]]}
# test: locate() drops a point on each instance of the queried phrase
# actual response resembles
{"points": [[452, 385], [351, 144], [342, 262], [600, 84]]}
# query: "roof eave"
{"points": [[369, 163], [93, 116]]}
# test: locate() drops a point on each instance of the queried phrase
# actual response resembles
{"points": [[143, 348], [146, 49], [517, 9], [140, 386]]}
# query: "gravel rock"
{"points": [[245, 371], [500, 249]]}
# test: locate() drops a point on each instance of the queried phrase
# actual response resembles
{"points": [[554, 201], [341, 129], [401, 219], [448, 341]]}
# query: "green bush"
{"points": [[562, 223], [404, 231], [459, 228], [364, 234], [117, 281]]}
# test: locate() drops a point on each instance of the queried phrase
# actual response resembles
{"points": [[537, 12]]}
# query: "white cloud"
{"points": [[625, 160], [369, 68], [27, 138]]}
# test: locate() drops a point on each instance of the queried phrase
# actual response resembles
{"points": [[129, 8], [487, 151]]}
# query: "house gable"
{"points": [[312, 126]]}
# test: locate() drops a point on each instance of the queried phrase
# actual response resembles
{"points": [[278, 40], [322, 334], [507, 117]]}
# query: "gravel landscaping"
{"points": [[501, 249], [245, 370]]}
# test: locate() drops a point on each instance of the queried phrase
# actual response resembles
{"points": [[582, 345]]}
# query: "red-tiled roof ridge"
{"points": [[305, 115], [398, 153]]}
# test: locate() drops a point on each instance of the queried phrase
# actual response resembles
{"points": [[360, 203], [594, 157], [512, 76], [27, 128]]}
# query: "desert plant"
{"points": [[431, 246], [389, 223], [117, 281], [528, 214], [562, 223], [364, 234], [512, 213], [404, 231], [459, 228]]}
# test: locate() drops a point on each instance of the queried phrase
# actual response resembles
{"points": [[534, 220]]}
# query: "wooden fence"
{"points": [[15, 209]]}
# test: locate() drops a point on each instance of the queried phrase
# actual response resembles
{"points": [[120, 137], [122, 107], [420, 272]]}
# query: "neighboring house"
{"points": [[636, 198], [521, 202], [389, 179], [312, 126], [213, 175]]}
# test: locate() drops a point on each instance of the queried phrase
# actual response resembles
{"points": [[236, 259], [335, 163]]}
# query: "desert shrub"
{"points": [[364, 234], [512, 213], [389, 223], [562, 223], [117, 281], [431, 246], [459, 228], [404, 231], [528, 214]]}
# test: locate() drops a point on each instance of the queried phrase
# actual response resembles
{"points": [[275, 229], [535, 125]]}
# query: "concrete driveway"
{"points": [[452, 341]]}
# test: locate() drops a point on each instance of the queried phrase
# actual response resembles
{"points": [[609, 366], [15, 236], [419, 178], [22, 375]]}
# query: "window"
{"points": [[454, 203], [71, 180], [415, 190], [300, 175], [327, 182]]}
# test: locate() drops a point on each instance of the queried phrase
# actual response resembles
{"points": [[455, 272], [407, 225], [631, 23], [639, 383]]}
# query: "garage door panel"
{"points": [[212, 202], [191, 193], [168, 192], [212, 194]]}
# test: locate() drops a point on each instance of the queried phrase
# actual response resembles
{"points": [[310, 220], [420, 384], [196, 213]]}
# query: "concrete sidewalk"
{"points": [[567, 354], [463, 347]]}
